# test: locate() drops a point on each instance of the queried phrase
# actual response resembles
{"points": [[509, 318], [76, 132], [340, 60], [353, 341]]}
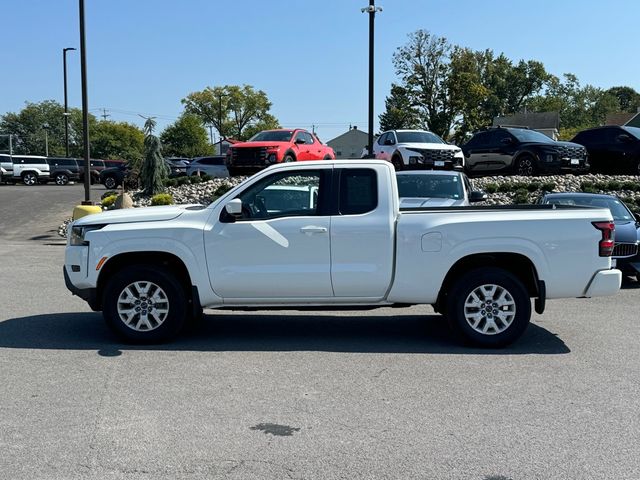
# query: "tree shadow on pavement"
{"points": [[217, 332]]}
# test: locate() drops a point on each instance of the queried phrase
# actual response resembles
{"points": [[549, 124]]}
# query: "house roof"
{"points": [[619, 118], [634, 122], [351, 133], [533, 120]]}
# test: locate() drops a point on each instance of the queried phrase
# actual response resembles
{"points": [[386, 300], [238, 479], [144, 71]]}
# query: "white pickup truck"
{"points": [[152, 269]]}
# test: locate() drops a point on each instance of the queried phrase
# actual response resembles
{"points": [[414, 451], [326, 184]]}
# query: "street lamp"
{"points": [[45, 127], [66, 107], [85, 108], [371, 10]]}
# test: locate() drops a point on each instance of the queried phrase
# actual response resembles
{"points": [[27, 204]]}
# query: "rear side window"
{"points": [[358, 191]]}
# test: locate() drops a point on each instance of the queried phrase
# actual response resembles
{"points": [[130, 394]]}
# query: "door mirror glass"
{"points": [[506, 141], [234, 207], [300, 141], [389, 141], [624, 138], [477, 196]]}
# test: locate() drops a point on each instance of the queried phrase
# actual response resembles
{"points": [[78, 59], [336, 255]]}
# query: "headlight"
{"points": [[78, 233]]}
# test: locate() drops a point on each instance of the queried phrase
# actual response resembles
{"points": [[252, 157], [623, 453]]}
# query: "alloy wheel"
{"points": [[489, 309], [143, 306]]}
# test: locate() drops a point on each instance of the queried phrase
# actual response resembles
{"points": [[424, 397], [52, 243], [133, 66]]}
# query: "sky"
{"points": [[310, 57]]}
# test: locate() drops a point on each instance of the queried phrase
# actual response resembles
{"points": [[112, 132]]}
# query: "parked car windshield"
{"points": [[619, 211], [635, 131], [430, 186], [418, 137], [272, 136], [530, 136]]}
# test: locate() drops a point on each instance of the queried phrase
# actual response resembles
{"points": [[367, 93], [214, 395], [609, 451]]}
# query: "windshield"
{"points": [[619, 211], [272, 136], [430, 186], [418, 137], [530, 135], [635, 131]]}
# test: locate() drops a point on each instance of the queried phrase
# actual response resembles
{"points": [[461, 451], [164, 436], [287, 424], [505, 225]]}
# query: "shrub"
{"points": [[489, 188], [614, 185], [506, 187], [170, 182], [196, 179], [205, 177], [162, 199], [533, 186], [521, 196], [108, 193], [631, 186], [222, 189], [107, 202], [587, 187], [548, 186], [183, 181]]}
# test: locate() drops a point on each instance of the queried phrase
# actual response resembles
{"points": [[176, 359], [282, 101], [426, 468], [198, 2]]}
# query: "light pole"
{"points": [[85, 109], [45, 127], [371, 10], [66, 106]]}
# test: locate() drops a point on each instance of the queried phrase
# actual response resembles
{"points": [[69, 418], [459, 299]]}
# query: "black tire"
{"points": [[525, 166], [288, 158], [327, 157], [174, 300], [110, 182], [501, 330], [61, 179], [30, 178], [397, 162]]}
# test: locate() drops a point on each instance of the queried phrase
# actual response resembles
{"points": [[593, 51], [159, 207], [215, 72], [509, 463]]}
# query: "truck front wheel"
{"points": [[489, 307], [145, 304]]}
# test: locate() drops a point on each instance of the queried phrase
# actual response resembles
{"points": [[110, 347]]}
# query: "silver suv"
{"points": [[30, 169]]}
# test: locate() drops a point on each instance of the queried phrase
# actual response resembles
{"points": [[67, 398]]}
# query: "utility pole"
{"points": [[45, 127], [85, 109], [104, 115], [371, 10]]}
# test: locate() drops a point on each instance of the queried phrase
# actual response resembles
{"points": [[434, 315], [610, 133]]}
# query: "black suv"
{"points": [[521, 151], [63, 170], [113, 177], [612, 149]]}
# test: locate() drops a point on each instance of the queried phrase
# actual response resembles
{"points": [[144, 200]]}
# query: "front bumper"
{"points": [[604, 283], [581, 167], [89, 295]]}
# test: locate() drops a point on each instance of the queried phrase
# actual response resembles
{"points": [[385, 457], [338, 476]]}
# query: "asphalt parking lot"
{"points": [[303, 395]]}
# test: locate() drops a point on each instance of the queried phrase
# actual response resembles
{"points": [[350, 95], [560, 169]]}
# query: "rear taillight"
{"points": [[605, 245]]}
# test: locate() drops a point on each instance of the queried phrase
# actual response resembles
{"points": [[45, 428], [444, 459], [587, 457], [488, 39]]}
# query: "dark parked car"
{"points": [[612, 149], [63, 170], [114, 176], [178, 166], [627, 232], [95, 167], [521, 151]]}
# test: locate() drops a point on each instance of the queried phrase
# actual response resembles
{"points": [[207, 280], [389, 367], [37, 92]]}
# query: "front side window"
{"points": [[358, 191], [429, 186], [382, 138], [285, 194]]}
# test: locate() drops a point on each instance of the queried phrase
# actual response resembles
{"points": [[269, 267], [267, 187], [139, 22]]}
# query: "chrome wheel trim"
{"points": [[61, 179], [489, 309], [110, 182], [29, 179], [525, 167], [143, 306]]}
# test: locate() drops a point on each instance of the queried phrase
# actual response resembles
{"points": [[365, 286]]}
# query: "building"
{"points": [[543, 122], [350, 144], [221, 146], [623, 119]]}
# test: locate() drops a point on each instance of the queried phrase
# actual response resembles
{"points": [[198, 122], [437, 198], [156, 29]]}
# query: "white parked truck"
{"points": [[150, 270]]}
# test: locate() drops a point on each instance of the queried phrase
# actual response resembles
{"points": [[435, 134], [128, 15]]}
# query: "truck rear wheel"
{"points": [[145, 304], [30, 178], [489, 307]]}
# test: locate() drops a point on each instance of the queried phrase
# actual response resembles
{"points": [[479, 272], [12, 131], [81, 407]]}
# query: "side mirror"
{"points": [[300, 141], [234, 207], [506, 141], [637, 215], [477, 196], [624, 138], [389, 141]]}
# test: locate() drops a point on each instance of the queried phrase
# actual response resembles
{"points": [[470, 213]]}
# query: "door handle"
{"points": [[313, 229]]}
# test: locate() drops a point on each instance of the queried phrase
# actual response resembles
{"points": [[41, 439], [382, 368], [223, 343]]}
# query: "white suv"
{"points": [[30, 168], [6, 169], [413, 149]]}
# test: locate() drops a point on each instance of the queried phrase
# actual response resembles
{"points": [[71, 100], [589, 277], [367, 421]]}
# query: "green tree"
{"points": [[230, 109], [186, 137], [268, 122], [29, 134], [154, 170], [117, 141], [422, 65], [628, 99], [399, 112]]}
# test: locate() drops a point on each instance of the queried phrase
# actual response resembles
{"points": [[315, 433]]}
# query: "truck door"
{"points": [[362, 233], [276, 249]]}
